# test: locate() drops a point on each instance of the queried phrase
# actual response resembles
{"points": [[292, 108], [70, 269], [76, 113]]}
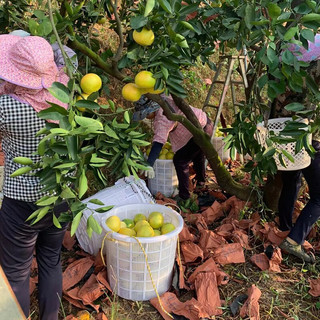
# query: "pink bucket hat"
{"points": [[27, 62]]}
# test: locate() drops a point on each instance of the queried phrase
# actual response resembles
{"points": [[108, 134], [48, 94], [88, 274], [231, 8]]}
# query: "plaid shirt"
{"points": [[179, 135], [19, 124]]}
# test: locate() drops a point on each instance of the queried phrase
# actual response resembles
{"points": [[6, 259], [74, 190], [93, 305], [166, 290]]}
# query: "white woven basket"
{"points": [[125, 191], [165, 180], [301, 159], [128, 274]]}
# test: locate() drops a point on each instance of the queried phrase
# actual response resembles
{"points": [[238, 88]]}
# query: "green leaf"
{"points": [[66, 165], [110, 132], [149, 7], [294, 106], [86, 122], [96, 201], [288, 155], [75, 223], [262, 81], [20, 171], [23, 160], [137, 22], [103, 209], [140, 143], [270, 151], [45, 27], [55, 112], [249, 15], [67, 193], [187, 25], [274, 10], [47, 200], [56, 222], [311, 17], [94, 225], [88, 104], [34, 214], [307, 34], [126, 117], [33, 27], [42, 213], [60, 91], [165, 5], [290, 33], [83, 184]]}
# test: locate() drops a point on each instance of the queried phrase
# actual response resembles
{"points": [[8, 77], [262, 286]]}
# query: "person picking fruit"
{"points": [[28, 68], [186, 150]]}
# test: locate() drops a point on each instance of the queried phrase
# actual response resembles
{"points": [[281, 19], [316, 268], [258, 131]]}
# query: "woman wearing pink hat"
{"points": [[27, 67]]}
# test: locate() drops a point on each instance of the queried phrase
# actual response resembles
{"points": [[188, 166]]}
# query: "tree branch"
{"points": [[117, 56]]}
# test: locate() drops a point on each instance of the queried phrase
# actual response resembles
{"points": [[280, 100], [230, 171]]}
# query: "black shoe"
{"points": [[297, 251]]}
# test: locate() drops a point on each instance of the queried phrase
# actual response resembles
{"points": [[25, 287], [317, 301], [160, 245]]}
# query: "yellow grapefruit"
{"points": [[131, 92], [157, 233], [145, 231], [90, 83], [156, 220], [145, 80], [144, 38], [162, 157], [114, 223], [140, 224], [169, 155], [167, 227], [127, 231], [138, 217]]}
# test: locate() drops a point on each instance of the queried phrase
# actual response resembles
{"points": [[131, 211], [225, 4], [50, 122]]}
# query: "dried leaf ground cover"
{"points": [[229, 267]]}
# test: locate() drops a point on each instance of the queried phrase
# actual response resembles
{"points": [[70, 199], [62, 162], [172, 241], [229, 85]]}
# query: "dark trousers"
{"points": [[291, 185], [191, 152], [18, 240]]}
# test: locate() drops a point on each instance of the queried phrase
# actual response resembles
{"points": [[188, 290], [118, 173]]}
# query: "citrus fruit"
{"points": [[90, 83], [114, 223], [167, 227], [123, 225], [145, 231], [129, 223], [127, 231], [102, 20], [131, 92], [158, 91], [138, 217], [145, 79], [169, 155], [140, 224], [155, 220], [157, 233], [145, 37], [162, 157], [164, 151], [167, 145]]}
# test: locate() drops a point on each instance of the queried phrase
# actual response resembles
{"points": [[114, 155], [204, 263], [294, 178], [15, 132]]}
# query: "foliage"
{"points": [[74, 143], [186, 32]]}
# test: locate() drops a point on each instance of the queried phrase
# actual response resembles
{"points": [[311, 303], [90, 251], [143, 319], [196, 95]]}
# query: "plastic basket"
{"points": [[301, 159], [126, 264], [125, 191], [219, 144], [165, 180]]}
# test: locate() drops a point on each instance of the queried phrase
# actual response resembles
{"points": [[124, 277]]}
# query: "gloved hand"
{"points": [[149, 173]]}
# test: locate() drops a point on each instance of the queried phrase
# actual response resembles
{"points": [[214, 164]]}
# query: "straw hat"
{"points": [[27, 62]]}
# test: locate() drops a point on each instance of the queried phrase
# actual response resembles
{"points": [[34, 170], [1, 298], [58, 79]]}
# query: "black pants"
{"points": [[18, 240], [291, 185], [182, 158]]}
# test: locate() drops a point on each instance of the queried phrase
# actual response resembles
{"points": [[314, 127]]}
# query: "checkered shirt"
{"points": [[19, 124], [179, 135]]}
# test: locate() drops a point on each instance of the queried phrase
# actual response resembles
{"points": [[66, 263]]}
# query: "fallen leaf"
{"points": [[314, 287], [251, 307], [75, 272], [191, 252], [207, 292], [68, 241], [229, 253]]}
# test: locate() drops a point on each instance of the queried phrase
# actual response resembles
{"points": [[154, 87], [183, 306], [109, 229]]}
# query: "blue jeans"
{"points": [[18, 240], [291, 185]]}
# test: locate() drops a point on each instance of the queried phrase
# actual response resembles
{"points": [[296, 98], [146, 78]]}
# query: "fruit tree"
{"points": [[157, 40]]}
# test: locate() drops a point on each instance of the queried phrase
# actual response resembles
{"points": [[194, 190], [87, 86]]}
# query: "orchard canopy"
{"points": [[166, 37]]}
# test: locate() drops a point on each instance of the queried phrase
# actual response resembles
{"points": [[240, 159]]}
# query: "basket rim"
{"points": [[128, 239]]}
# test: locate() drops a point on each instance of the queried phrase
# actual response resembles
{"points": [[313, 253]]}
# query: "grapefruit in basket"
{"points": [[129, 223], [167, 227], [138, 217], [140, 224], [127, 231], [156, 220], [114, 223], [145, 231]]}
